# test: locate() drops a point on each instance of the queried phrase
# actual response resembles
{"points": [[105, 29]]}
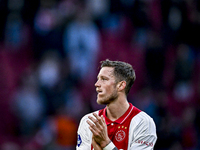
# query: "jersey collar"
{"points": [[122, 118]]}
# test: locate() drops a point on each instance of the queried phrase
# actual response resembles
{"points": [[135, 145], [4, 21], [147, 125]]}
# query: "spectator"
{"points": [[58, 132], [49, 75], [82, 44], [28, 105]]}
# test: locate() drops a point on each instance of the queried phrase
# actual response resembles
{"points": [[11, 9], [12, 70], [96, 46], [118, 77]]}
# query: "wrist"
{"points": [[104, 144], [110, 146]]}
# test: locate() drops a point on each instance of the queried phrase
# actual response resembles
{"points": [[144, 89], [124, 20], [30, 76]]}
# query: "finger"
{"points": [[95, 124], [103, 119], [95, 121], [93, 128], [95, 132], [90, 123], [96, 116], [100, 121]]}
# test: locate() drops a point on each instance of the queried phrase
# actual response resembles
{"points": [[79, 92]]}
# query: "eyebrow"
{"points": [[102, 76]]}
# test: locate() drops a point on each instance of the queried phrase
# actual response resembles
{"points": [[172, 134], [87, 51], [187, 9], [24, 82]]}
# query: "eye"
{"points": [[103, 79]]}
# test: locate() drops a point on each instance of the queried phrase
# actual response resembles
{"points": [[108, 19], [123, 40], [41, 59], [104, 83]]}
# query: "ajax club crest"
{"points": [[120, 135]]}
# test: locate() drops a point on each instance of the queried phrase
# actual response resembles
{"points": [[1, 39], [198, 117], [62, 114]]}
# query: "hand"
{"points": [[95, 145], [99, 130]]}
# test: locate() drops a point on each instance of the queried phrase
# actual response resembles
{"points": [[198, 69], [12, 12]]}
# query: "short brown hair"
{"points": [[122, 71]]}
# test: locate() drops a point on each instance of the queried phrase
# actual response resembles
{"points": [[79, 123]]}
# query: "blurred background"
{"points": [[49, 59]]}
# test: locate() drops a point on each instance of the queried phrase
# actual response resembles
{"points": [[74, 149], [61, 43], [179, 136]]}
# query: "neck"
{"points": [[116, 109]]}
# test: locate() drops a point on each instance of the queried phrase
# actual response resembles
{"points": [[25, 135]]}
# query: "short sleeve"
{"points": [[83, 135], [143, 133]]}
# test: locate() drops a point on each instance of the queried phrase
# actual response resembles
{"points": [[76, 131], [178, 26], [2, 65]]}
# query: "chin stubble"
{"points": [[108, 99]]}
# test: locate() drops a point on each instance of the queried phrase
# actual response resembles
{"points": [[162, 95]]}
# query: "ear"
{"points": [[121, 85]]}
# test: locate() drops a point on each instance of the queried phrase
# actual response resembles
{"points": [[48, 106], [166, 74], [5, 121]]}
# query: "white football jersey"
{"points": [[135, 130]]}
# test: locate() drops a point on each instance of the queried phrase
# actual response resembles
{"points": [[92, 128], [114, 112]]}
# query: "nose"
{"points": [[97, 83]]}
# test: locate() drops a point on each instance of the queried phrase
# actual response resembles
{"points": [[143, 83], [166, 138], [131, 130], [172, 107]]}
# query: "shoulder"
{"points": [[142, 122], [85, 118], [142, 132], [144, 117], [84, 133]]}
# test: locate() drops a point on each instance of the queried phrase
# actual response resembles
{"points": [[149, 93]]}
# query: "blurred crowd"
{"points": [[49, 59]]}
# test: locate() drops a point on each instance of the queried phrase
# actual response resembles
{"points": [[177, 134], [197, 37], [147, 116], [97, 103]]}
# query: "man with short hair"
{"points": [[120, 125]]}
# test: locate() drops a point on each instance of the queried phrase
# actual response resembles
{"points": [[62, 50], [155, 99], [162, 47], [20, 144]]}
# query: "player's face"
{"points": [[106, 86]]}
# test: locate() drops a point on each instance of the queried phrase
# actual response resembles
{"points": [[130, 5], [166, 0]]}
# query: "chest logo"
{"points": [[120, 135]]}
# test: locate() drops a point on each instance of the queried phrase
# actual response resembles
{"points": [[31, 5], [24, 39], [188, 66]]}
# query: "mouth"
{"points": [[99, 91]]}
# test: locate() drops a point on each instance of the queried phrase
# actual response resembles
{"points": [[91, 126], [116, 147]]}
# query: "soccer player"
{"points": [[120, 125]]}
